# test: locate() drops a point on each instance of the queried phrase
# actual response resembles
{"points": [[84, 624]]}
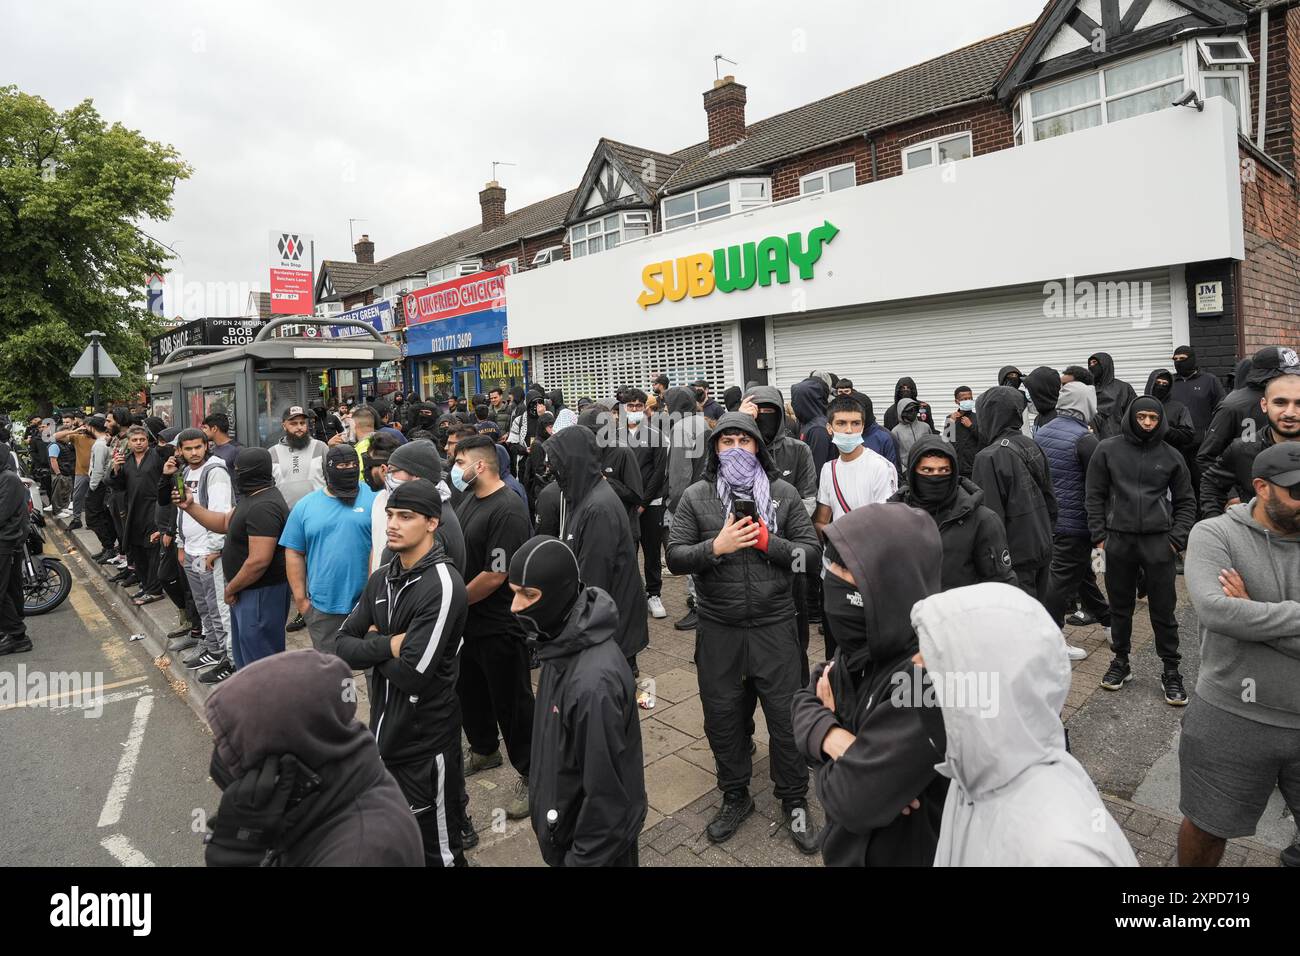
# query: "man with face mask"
{"points": [[908, 430], [405, 631], [494, 688], [327, 547], [1243, 577], [649, 447], [904, 389], [708, 405], [1231, 472], [1009, 377], [1140, 510], [1069, 445], [415, 459], [744, 533], [1113, 396], [257, 588], [974, 541], [1014, 476], [809, 399], [587, 786], [873, 750], [961, 431], [1044, 387], [1182, 433], [1200, 392], [593, 523]]}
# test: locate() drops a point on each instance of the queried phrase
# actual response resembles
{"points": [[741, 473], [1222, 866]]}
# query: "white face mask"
{"points": [[391, 483], [635, 418]]}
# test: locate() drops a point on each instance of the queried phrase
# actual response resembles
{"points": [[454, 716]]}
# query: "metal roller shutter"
{"points": [[965, 339], [596, 367]]}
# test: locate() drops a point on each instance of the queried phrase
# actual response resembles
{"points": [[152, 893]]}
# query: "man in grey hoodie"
{"points": [[910, 429], [1241, 734]]}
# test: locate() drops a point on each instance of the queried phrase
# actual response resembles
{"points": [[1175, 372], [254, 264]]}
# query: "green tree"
{"points": [[72, 259]]}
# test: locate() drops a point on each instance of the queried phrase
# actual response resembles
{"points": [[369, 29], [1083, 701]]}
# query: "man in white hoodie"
{"points": [[1000, 676]]}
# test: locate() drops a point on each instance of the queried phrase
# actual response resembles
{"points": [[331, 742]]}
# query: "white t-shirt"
{"points": [[868, 479], [197, 540]]}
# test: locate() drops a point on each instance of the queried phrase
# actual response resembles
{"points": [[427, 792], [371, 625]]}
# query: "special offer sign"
{"points": [[291, 276], [477, 293]]}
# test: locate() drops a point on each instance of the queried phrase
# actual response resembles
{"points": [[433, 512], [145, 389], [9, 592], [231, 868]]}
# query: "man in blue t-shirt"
{"points": [[327, 547]]}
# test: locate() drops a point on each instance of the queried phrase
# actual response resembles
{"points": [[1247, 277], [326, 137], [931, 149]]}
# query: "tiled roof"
{"points": [[660, 166], [541, 216], [956, 77], [347, 276]]}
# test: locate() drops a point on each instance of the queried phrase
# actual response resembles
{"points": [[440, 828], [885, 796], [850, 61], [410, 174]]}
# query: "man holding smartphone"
{"points": [[744, 567]]}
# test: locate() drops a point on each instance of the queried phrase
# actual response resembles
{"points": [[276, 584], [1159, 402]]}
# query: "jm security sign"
{"points": [[735, 268]]}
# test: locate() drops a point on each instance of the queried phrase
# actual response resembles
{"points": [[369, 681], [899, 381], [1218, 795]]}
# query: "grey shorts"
{"points": [[324, 629], [1228, 767]]}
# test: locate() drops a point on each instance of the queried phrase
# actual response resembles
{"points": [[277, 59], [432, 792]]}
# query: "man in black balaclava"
{"points": [[974, 540], [1140, 511], [587, 794], [594, 523], [327, 547], [905, 388], [1044, 387], [1113, 396], [1010, 377], [1200, 392]]}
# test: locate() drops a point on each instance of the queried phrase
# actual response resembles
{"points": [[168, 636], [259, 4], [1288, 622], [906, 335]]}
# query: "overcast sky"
{"points": [[302, 116]]}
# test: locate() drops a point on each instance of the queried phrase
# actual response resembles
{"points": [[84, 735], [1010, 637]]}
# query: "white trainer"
{"points": [[1076, 653], [656, 606]]}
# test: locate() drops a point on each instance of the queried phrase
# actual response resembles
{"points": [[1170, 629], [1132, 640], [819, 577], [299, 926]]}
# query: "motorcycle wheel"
{"points": [[50, 590]]}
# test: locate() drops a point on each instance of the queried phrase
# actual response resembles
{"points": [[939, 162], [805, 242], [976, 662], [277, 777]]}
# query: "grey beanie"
{"points": [[420, 458]]}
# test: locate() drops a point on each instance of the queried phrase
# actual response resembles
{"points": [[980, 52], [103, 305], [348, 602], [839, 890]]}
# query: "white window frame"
{"points": [[453, 270], [1243, 85], [932, 145], [736, 202], [825, 175], [1241, 59], [598, 227], [547, 256], [512, 263]]}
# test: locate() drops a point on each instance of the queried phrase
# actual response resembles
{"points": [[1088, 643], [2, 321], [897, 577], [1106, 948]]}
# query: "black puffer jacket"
{"points": [[1014, 475], [746, 587], [593, 523], [793, 458], [974, 541], [1232, 474], [586, 755], [893, 760], [1113, 397], [1131, 478]]}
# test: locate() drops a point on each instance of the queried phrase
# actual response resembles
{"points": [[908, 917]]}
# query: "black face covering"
{"points": [[546, 563], [1185, 367], [843, 606], [699, 395], [932, 492], [253, 471], [340, 480], [910, 413], [1161, 389], [769, 423]]}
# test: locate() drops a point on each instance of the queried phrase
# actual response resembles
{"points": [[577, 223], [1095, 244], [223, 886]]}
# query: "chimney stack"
{"points": [[725, 106], [493, 201], [365, 251]]}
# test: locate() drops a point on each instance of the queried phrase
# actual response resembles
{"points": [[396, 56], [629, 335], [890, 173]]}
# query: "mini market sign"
{"points": [[735, 268]]}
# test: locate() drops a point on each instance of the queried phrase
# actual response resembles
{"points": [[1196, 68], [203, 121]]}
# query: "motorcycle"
{"points": [[46, 580]]}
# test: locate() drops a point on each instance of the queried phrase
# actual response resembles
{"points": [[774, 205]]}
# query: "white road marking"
{"points": [[124, 852], [98, 702], [112, 812], [56, 700]]}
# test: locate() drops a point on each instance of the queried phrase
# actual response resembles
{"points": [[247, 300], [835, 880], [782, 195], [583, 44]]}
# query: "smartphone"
{"points": [[743, 508], [180, 485]]}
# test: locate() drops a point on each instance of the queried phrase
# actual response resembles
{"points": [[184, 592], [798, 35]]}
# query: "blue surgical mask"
{"points": [[967, 406], [635, 418], [459, 480], [847, 444]]}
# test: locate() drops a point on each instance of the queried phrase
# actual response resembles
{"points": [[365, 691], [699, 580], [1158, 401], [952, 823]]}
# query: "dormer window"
{"points": [[714, 202]]}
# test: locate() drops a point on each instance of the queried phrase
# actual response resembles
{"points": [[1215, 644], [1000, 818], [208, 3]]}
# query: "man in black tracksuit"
{"points": [[1182, 431], [1245, 402], [618, 463], [974, 541], [593, 523], [1131, 479], [1200, 392], [1014, 475], [1113, 396], [744, 533], [586, 791], [650, 449], [857, 723], [809, 399], [406, 629], [794, 463], [1230, 475]]}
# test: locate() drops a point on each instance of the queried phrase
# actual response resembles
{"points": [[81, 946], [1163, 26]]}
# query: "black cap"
{"points": [[293, 411], [1279, 464], [1276, 359], [418, 495]]}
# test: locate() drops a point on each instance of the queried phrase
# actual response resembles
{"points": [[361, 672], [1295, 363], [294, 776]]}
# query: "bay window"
{"points": [[599, 235]]}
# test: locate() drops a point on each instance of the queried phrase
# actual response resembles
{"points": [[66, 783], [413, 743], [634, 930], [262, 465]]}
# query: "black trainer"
{"points": [[732, 813], [468, 835], [803, 829], [1291, 855], [183, 641], [75, 525], [1175, 693], [204, 658], [297, 624], [15, 644], [106, 556], [689, 623], [1118, 674], [219, 673], [1081, 618]]}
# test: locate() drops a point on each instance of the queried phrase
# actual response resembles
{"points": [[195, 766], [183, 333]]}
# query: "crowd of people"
{"points": [[445, 551]]}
